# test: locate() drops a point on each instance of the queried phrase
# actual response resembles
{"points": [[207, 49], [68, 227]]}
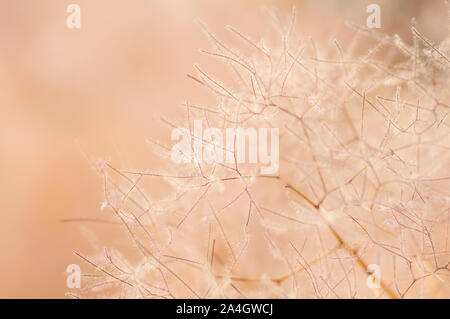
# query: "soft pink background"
{"points": [[104, 85]]}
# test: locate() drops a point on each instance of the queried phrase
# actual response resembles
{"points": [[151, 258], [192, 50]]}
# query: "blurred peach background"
{"points": [[105, 85]]}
